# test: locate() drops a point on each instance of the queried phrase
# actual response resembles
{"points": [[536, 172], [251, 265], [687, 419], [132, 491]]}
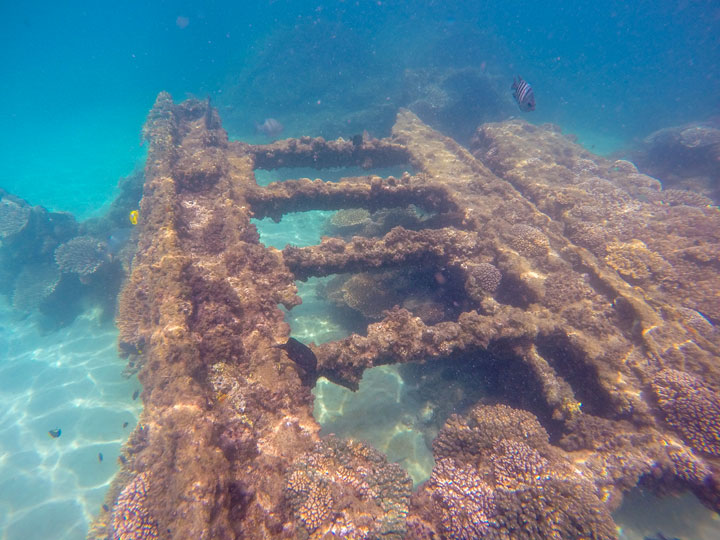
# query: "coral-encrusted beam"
{"points": [[399, 247], [370, 192], [319, 153]]}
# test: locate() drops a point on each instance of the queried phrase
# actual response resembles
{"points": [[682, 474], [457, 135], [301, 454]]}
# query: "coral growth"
{"points": [[489, 481], [464, 502], [349, 220], [635, 261], [528, 240], [691, 408], [130, 518], [320, 484], [481, 279], [685, 157], [467, 437], [13, 217], [33, 285], [82, 255]]}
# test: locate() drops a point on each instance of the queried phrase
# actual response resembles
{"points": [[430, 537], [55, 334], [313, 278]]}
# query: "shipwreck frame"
{"points": [[616, 356]]}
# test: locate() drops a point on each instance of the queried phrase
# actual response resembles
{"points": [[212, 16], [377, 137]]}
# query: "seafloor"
{"points": [[548, 311]]}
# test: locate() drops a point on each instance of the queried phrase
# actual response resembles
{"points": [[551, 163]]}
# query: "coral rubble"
{"points": [[590, 303]]}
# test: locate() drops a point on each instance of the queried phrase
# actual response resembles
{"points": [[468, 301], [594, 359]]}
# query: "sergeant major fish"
{"points": [[523, 94]]}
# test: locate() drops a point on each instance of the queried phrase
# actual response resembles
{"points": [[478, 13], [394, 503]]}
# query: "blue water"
{"points": [[77, 79]]}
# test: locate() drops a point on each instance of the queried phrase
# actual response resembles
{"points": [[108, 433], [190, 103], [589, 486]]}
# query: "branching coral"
{"points": [[468, 437], [13, 217], [464, 502], [497, 477], [691, 408], [684, 196], [348, 486], [82, 255], [34, 284]]}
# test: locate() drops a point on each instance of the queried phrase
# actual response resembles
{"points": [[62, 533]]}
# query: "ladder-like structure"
{"points": [[227, 446]]}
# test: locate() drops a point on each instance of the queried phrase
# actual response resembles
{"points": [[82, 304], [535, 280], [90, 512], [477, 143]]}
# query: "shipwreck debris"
{"points": [[547, 250]]}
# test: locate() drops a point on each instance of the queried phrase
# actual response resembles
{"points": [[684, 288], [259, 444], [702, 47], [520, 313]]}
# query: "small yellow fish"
{"points": [[134, 217]]}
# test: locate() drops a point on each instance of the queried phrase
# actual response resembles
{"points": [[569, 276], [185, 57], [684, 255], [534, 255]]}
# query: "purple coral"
{"points": [[497, 477], [516, 465], [130, 518], [330, 488], [690, 407], [465, 503]]}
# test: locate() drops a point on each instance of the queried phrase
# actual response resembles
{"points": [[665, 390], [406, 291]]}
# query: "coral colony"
{"points": [[575, 286]]}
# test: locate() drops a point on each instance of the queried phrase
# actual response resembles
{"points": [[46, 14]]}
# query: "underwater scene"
{"points": [[360, 269]]}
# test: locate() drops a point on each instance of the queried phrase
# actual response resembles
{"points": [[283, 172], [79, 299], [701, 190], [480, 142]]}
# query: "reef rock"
{"points": [[685, 157]]}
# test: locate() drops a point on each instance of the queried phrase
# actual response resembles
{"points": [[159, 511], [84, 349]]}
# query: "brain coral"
{"points": [[347, 488], [690, 407], [130, 518], [81, 255]]}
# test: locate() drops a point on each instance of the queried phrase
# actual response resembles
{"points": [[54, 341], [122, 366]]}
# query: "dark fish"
{"points": [[100, 457], [523, 94], [270, 128], [136, 393], [303, 356], [55, 433], [106, 507], [122, 460], [125, 424], [660, 536]]}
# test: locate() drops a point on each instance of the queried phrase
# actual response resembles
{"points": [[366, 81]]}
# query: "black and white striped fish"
{"points": [[523, 94]]}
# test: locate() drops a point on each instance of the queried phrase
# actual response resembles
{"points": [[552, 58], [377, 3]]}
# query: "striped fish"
{"points": [[523, 94]]}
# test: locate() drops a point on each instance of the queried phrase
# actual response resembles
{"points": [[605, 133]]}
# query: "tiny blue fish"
{"points": [[523, 94]]}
